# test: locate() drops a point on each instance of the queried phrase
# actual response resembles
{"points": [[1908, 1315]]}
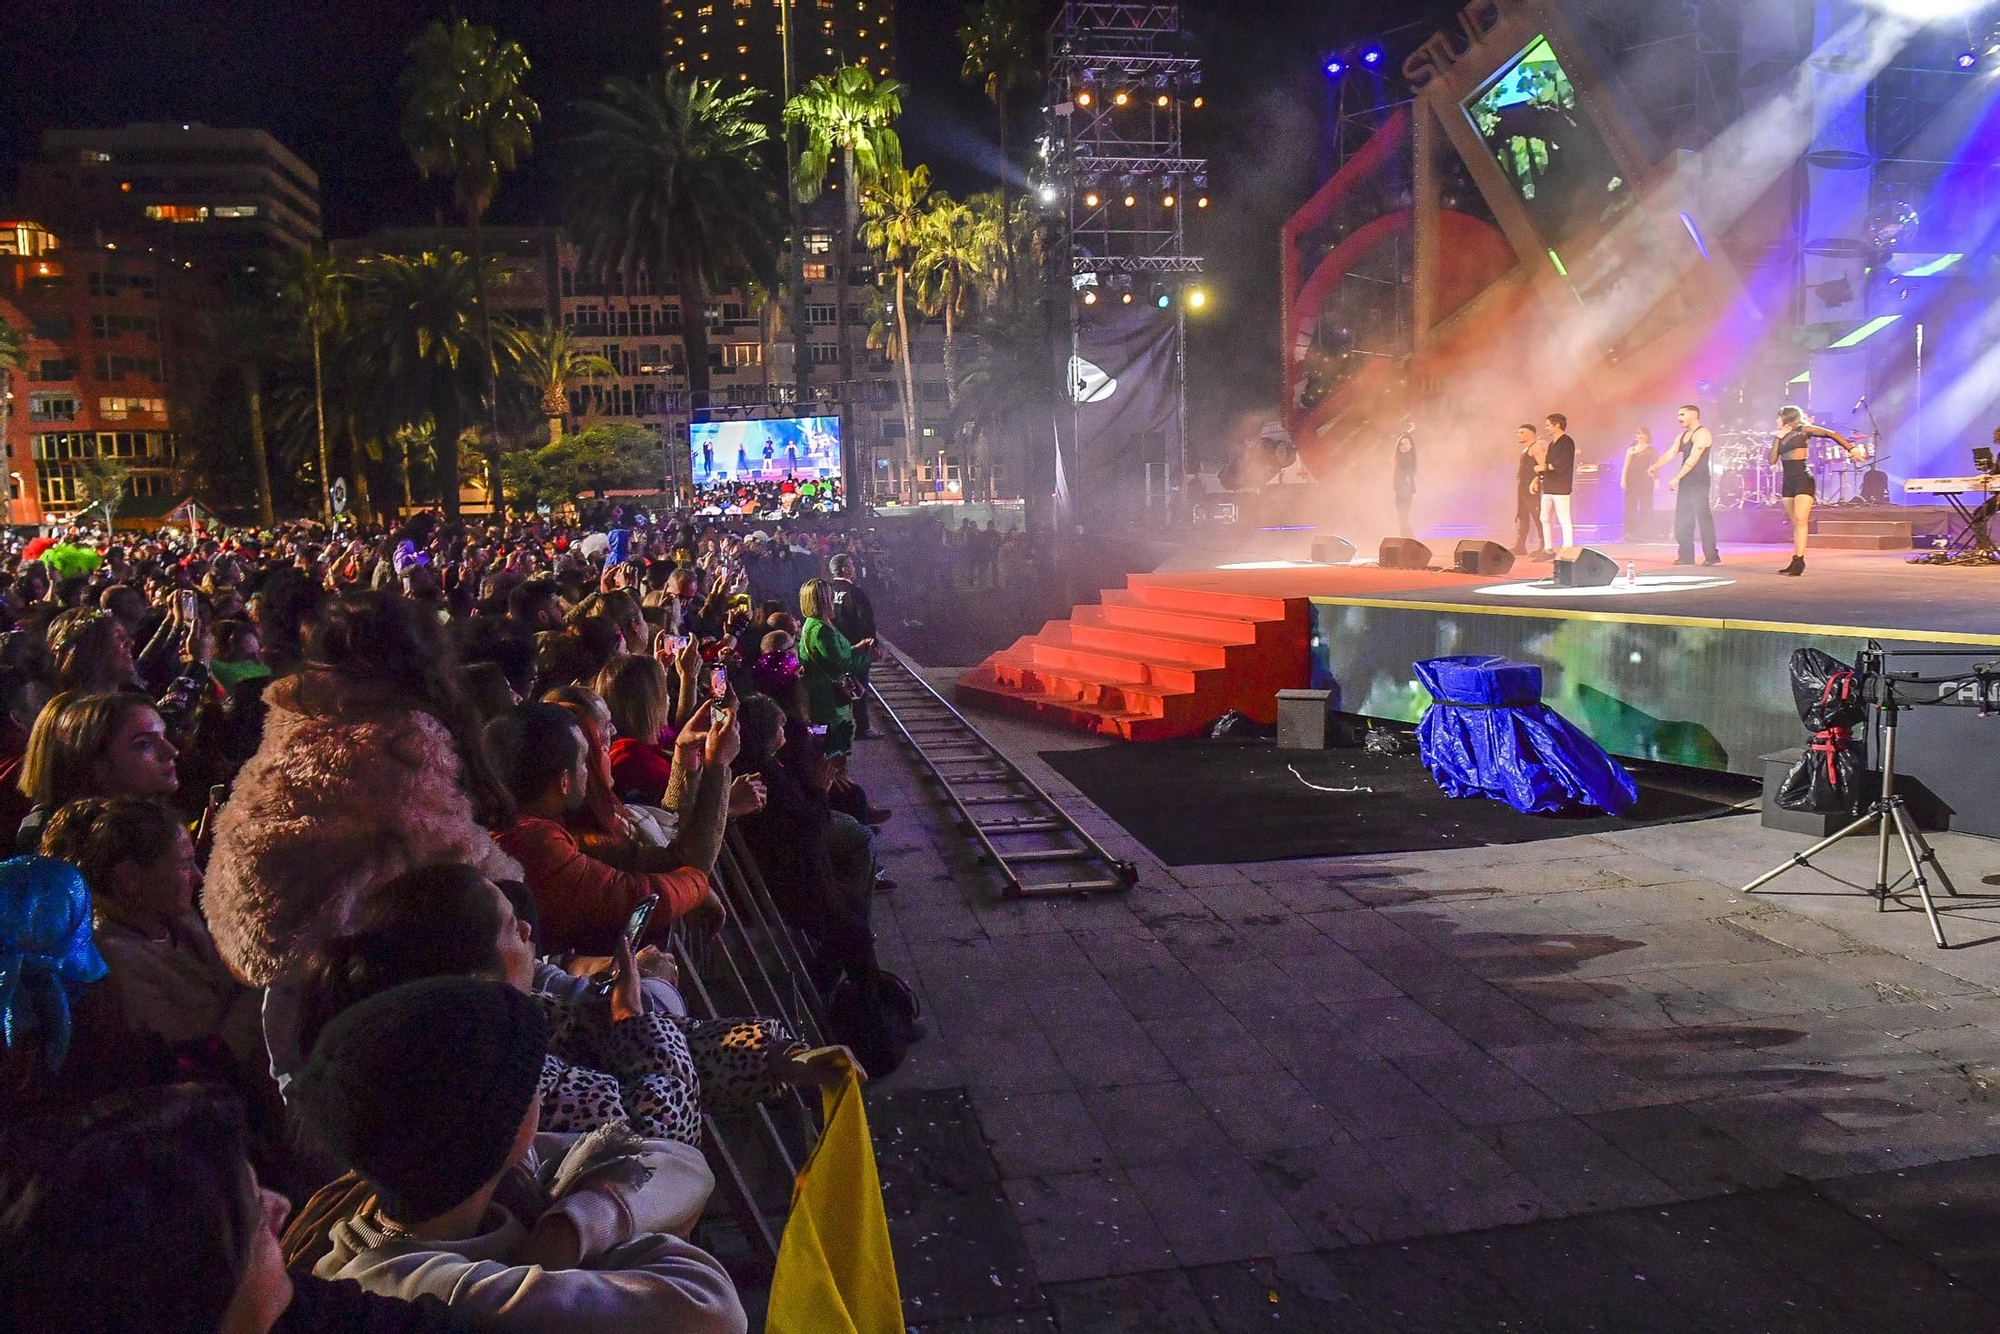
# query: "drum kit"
{"points": [[1746, 479]]}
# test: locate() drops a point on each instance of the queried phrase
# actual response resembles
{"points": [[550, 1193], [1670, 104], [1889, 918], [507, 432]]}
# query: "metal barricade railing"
{"points": [[753, 967]]}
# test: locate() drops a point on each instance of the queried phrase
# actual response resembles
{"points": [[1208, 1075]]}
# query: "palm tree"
{"points": [[666, 176], [421, 348], [313, 291], [895, 207], [958, 250], [241, 336], [551, 358], [1004, 41], [466, 116], [13, 357], [846, 117]]}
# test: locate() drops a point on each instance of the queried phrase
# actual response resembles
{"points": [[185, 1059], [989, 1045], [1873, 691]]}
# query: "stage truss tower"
{"points": [[1119, 182]]}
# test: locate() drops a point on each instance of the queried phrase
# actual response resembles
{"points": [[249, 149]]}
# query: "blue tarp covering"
{"points": [[1488, 734]]}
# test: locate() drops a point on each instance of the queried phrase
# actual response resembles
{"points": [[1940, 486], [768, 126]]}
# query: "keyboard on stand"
{"points": [[1972, 537], [1951, 486]]}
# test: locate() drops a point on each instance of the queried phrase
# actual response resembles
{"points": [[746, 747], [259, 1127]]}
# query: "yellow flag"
{"points": [[835, 1272]]}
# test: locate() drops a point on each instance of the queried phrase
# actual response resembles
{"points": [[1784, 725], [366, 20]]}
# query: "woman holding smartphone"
{"points": [[829, 663]]}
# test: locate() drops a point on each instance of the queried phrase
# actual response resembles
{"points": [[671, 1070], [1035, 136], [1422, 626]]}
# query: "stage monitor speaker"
{"points": [[1476, 557], [1404, 553], [1333, 551], [1584, 567]]}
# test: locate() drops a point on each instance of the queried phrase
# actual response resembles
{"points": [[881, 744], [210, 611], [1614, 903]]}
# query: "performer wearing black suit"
{"points": [[1527, 515]]}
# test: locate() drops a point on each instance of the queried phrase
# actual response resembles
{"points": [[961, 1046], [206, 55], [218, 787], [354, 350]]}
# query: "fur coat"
{"points": [[350, 788]]}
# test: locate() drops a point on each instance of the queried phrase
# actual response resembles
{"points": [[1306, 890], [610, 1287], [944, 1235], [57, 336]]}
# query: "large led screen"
{"points": [[736, 459], [1546, 146]]}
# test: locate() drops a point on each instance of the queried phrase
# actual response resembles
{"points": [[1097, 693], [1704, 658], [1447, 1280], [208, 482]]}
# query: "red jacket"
{"points": [[641, 767], [583, 900]]}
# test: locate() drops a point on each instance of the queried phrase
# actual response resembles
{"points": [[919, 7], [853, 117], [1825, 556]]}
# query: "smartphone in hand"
{"points": [[635, 927]]}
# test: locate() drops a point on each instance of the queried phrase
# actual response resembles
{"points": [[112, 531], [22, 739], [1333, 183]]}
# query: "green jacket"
{"points": [[827, 657]]}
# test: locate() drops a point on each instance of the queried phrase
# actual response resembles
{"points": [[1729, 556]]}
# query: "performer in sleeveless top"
{"points": [[1793, 449], [1690, 487]]}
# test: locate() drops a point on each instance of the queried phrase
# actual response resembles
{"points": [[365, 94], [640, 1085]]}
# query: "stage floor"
{"points": [[1860, 593]]}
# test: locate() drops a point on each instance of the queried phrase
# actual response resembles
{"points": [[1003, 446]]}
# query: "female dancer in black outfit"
{"points": [[1793, 449]]}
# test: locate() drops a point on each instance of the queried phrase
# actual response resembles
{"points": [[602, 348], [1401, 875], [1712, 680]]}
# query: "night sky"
{"points": [[321, 77]]}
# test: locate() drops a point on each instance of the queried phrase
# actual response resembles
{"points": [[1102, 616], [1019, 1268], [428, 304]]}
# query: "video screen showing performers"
{"points": [[1547, 147], [748, 466]]}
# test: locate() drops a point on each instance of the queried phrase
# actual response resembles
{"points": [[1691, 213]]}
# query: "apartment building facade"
{"points": [[97, 373]]}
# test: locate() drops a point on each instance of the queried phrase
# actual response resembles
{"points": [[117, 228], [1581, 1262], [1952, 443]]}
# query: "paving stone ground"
{"points": [[1575, 1085]]}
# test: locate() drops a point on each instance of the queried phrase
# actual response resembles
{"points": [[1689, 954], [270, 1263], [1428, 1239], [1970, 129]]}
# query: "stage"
{"points": [[1686, 665]]}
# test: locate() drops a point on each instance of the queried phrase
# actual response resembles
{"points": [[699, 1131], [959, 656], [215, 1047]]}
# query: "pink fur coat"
{"points": [[345, 793]]}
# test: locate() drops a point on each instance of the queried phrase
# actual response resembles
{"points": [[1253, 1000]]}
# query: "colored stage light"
{"points": [[1166, 201], [1372, 56], [1084, 99], [1967, 59], [1199, 102], [1335, 67], [1196, 298], [1161, 100], [1163, 300], [1201, 202], [1121, 98], [1130, 200], [1127, 298], [1090, 298], [1090, 199]]}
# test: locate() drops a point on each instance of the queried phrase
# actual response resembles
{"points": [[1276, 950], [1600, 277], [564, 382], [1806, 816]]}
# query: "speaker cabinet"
{"points": [[1333, 551], [1584, 567], [1404, 553], [1476, 557]]}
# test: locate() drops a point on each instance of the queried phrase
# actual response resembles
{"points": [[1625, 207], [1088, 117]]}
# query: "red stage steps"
{"points": [[1156, 659]]}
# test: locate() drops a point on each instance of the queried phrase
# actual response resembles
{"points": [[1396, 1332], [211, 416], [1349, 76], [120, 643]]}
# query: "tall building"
{"points": [[215, 201], [742, 42], [94, 384]]}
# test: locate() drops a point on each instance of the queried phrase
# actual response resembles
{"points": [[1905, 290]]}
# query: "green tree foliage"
{"points": [[667, 176], [613, 456], [848, 120], [466, 115]]}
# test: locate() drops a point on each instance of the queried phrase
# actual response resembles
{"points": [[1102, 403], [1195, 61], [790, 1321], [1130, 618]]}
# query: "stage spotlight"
{"points": [[1335, 67], [1130, 200], [1127, 298], [1967, 59], [1161, 100], [1166, 201], [1196, 298], [1084, 99], [1372, 56], [1199, 102], [1121, 98], [1163, 300], [1090, 199], [1202, 202], [1090, 298], [1048, 193]]}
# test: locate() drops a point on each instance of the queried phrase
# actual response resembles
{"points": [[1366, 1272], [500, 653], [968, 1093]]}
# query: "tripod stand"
{"points": [[1886, 812]]}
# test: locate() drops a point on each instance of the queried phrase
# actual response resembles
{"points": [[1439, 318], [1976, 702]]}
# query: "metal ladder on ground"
{"points": [[1033, 842]]}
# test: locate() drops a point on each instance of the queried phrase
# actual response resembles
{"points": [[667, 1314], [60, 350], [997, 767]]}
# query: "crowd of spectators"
{"points": [[331, 986], [790, 497]]}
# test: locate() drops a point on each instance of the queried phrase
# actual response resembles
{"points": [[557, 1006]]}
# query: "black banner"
{"points": [[1120, 430]]}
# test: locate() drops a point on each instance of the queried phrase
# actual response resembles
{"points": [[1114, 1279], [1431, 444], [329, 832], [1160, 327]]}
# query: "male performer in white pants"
{"points": [[1557, 478]]}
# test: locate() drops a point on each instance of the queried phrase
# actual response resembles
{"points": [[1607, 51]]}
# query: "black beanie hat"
{"points": [[422, 1088]]}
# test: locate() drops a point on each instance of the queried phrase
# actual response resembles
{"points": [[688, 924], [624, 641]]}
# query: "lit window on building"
{"points": [[177, 212], [234, 211]]}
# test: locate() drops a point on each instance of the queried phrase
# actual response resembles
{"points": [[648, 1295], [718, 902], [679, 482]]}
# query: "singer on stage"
{"points": [[1792, 448]]}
